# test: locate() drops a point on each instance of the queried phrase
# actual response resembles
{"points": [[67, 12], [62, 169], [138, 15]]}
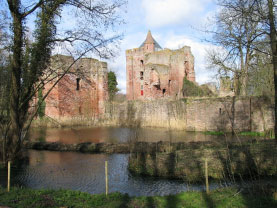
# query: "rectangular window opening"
{"points": [[141, 75], [78, 84]]}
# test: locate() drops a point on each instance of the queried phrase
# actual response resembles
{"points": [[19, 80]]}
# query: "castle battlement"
{"points": [[134, 51], [153, 72]]}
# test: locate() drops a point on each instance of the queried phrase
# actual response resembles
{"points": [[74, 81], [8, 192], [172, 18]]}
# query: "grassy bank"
{"points": [[266, 134], [228, 197], [214, 132]]}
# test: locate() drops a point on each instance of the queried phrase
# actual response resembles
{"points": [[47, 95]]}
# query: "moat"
{"points": [[85, 172], [123, 134]]}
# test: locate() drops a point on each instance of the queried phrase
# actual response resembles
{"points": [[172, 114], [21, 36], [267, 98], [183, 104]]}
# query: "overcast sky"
{"points": [[173, 23]]}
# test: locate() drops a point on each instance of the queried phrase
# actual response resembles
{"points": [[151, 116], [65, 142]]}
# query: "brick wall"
{"points": [[81, 92]]}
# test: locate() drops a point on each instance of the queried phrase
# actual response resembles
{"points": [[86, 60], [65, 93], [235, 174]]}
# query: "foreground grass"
{"points": [[228, 197]]}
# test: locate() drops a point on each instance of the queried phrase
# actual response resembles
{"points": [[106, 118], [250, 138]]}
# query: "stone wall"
{"points": [[80, 93], [194, 114], [158, 113]]}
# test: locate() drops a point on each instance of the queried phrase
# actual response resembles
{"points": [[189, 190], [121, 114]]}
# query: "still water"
{"points": [[118, 134], [86, 172]]}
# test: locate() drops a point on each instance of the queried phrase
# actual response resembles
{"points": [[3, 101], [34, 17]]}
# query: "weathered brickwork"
{"points": [[195, 114], [153, 72], [81, 92]]}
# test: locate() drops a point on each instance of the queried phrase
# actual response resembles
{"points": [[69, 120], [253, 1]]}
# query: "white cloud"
{"points": [[118, 64], [171, 41], [164, 12], [198, 49]]}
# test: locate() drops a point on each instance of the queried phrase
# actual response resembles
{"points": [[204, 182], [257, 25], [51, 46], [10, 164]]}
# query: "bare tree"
{"points": [[261, 76], [273, 43], [245, 31], [236, 35], [31, 55]]}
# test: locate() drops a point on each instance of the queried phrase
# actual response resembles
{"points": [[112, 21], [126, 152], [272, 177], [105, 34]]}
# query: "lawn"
{"points": [[227, 197]]}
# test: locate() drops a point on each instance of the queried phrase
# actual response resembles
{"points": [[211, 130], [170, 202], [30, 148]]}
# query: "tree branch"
{"points": [[25, 14]]}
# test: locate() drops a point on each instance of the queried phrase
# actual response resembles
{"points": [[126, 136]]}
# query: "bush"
{"points": [[190, 89]]}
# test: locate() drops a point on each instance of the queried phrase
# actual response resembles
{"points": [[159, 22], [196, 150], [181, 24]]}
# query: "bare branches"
{"points": [[25, 14], [91, 33], [239, 33]]}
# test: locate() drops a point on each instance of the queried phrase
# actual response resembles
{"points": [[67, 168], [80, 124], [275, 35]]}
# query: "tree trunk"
{"points": [[244, 82], [273, 43], [237, 84], [14, 135]]}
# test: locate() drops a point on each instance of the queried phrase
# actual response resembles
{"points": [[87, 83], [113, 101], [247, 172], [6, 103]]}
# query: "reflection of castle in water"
{"points": [[67, 170], [118, 135]]}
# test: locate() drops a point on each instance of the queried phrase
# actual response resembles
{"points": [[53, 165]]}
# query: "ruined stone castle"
{"points": [[81, 92], [153, 72]]}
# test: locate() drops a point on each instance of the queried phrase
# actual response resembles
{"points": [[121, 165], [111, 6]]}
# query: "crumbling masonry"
{"points": [[81, 92], [153, 72]]}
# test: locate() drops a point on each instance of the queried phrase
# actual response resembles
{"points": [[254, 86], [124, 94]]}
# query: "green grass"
{"points": [[268, 134], [228, 197], [244, 133], [214, 133], [250, 133]]}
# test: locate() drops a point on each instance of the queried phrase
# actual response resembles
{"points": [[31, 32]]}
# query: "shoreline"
{"points": [[184, 161]]}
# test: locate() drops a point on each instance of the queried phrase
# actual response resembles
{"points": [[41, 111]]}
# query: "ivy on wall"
{"points": [[41, 104]]}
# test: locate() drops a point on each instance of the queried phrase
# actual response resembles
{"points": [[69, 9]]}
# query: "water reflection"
{"points": [[85, 172], [118, 134]]}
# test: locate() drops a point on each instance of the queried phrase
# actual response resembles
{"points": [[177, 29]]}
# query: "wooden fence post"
{"points": [[106, 174], [9, 176], [206, 176]]}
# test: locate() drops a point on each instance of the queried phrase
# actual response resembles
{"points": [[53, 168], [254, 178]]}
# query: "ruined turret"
{"points": [[225, 87], [153, 72]]}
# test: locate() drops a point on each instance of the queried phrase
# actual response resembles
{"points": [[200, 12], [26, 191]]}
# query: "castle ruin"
{"points": [[81, 92], [153, 72]]}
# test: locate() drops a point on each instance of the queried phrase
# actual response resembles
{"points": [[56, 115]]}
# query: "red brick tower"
{"points": [[155, 73]]}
